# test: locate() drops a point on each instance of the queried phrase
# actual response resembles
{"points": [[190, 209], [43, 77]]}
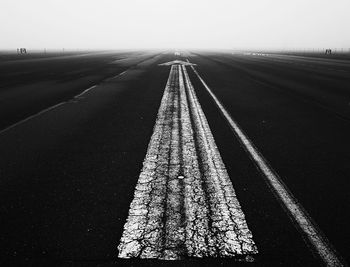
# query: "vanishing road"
{"points": [[133, 158]]}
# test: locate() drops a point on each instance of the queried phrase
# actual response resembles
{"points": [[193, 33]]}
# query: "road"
{"points": [[77, 133]]}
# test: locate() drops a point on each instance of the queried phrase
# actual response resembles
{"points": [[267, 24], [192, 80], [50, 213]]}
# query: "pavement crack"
{"points": [[184, 203]]}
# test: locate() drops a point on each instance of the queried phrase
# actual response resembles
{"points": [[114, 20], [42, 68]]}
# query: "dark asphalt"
{"points": [[31, 84], [68, 175]]}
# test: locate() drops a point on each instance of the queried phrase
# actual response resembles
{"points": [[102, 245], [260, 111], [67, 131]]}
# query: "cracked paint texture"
{"points": [[184, 203]]}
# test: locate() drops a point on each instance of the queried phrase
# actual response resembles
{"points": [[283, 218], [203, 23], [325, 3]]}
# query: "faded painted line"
{"points": [[85, 91], [92, 87], [120, 74], [316, 238], [46, 110], [31, 117], [184, 204], [55, 106]]}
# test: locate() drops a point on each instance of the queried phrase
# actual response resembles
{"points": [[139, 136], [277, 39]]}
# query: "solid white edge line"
{"points": [[317, 239], [54, 106]]}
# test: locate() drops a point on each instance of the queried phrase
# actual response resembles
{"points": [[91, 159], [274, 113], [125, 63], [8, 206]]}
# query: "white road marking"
{"points": [[146, 210], [120, 74], [184, 203], [85, 91], [316, 238], [52, 107], [197, 210], [31, 117], [228, 222], [176, 62]]}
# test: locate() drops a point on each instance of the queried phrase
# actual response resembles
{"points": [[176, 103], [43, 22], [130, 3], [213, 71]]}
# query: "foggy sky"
{"points": [[115, 24]]}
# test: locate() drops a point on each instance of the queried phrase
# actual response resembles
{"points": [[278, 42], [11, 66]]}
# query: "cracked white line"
{"points": [[142, 236], [197, 211], [316, 238], [184, 203], [228, 222]]}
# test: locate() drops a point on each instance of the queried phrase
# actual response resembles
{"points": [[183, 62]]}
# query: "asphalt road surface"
{"points": [[111, 159]]}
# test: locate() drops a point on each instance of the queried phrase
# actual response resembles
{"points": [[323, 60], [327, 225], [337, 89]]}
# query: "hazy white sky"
{"points": [[174, 24]]}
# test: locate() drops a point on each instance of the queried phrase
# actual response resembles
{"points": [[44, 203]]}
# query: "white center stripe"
{"points": [[317, 240], [184, 203]]}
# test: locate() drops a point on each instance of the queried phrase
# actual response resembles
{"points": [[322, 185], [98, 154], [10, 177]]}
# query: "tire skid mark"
{"points": [[184, 203]]}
